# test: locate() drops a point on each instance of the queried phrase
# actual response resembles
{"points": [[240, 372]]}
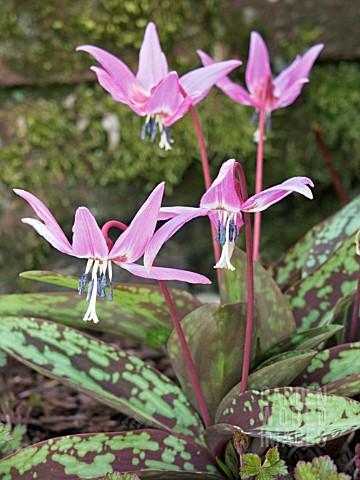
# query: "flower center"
{"points": [[101, 272], [227, 235], [152, 125]]}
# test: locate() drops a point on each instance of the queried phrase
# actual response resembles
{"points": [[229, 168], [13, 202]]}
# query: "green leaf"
{"points": [[135, 300], [295, 416], [330, 365], [314, 298], [305, 471], [321, 468], [95, 455], [232, 460], [273, 464], [306, 339], [277, 374], [5, 434], [100, 370], [215, 336], [251, 465]]}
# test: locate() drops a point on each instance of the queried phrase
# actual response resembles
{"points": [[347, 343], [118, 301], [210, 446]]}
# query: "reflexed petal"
{"points": [[88, 241], [54, 229], [290, 95], [133, 241], [171, 212], [264, 199], [167, 231], [167, 98], [222, 192], [46, 233], [118, 70], [111, 86], [160, 273], [204, 78], [258, 67], [153, 65]]}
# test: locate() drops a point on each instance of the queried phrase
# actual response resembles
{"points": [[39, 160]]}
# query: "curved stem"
{"points": [[184, 346], [250, 285], [259, 172]]}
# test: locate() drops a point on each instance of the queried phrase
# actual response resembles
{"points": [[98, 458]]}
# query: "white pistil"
{"points": [[165, 140], [224, 260], [91, 311]]}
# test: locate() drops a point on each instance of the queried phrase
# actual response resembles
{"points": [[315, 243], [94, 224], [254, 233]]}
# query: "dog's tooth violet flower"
{"points": [[90, 242], [222, 203], [154, 92], [264, 92]]}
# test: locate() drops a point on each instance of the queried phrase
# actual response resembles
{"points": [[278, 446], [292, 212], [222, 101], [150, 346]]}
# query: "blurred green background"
{"points": [[63, 138]]}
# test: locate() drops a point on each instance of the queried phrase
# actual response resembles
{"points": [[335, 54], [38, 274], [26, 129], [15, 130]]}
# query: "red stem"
{"points": [[338, 186], [259, 174], [206, 173], [250, 285], [184, 346]]}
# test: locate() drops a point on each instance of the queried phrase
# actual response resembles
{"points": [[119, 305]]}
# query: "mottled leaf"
{"points": [[93, 455], [342, 315], [217, 436], [143, 301], [329, 365], [291, 415], [307, 339], [314, 298], [100, 370], [274, 320], [348, 386], [215, 335], [277, 374], [333, 232]]}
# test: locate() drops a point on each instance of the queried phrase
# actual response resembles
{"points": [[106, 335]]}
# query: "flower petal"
{"points": [[182, 109], [153, 67], [166, 99], [171, 212], [54, 231], [258, 70], [131, 244], [126, 83], [222, 193], [204, 78], [160, 273], [264, 199], [88, 241], [167, 231]]}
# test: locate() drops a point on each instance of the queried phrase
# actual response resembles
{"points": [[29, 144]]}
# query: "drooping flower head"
{"points": [[224, 206], [92, 243], [264, 92], [155, 92]]}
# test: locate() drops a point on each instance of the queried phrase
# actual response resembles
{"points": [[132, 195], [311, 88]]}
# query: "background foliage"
{"points": [[58, 128]]}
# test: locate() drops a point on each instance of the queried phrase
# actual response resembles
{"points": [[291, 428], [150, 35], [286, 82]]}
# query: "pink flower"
{"points": [[223, 205], [90, 242], [264, 92], [155, 92]]}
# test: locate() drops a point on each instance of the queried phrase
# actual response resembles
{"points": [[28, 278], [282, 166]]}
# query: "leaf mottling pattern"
{"points": [[292, 415], [93, 455], [102, 371]]}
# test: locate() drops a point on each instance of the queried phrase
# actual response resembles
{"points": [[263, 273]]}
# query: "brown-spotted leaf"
{"points": [[215, 335], [330, 365], [96, 454], [306, 339], [314, 298], [274, 319], [68, 308], [100, 370], [292, 415], [135, 300], [279, 373], [348, 386]]}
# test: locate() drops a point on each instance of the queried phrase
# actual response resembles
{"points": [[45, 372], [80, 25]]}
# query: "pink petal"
{"points": [[258, 71], [125, 80], [153, 67], [166, 99], [54, 232], [264, 199], [160, 273], [167, 231], [88, 241], [204, 78], [182, 109], [171, 212], [45, 232], [222, 193], [131, 244], [290, 95], [110, 85]]}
